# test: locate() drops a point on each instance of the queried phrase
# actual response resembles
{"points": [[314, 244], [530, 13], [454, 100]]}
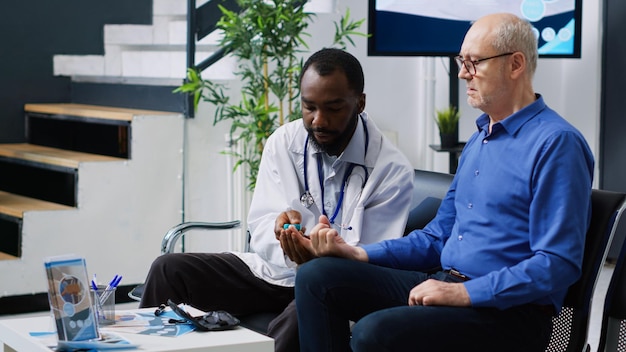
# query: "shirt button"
{"points": [[485, 141], [476, 172], [470, 205], [460, 237], [328, 205]]}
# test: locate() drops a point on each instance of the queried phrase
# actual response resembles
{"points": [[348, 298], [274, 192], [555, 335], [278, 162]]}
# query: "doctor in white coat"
{"points": [[333, 162]]}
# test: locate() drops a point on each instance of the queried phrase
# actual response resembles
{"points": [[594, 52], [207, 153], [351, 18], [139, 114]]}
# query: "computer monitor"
{"points": [[437, 27]]}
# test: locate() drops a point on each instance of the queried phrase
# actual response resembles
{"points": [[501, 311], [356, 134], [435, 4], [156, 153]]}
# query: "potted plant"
{"points": [[447, 120], [267, 39]]}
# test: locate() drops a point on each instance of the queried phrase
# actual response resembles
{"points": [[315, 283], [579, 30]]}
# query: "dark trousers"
{"points": [[214, 281], [330, 292]]}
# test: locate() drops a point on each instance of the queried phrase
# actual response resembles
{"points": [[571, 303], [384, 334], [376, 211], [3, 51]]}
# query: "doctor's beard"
{"points": [[341, 140]]}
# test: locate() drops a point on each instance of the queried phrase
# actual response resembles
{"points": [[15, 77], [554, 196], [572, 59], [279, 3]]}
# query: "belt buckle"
{"points": [[457, 274]]}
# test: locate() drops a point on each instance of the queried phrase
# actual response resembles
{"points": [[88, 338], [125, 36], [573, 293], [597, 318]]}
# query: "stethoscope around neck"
{"points": [[307, 199]]}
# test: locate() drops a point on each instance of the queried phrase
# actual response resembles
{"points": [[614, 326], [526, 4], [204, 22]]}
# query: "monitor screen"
{"points": [[437, 27]]}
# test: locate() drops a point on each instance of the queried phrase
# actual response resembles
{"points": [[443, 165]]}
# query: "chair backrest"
{"points": [[429, 189], [570, 327], [613, 332]]}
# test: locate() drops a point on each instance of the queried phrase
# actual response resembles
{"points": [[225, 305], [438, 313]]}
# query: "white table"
{"points": [[14, 334]]}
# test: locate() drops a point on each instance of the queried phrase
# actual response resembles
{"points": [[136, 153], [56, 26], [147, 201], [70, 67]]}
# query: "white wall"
{"points": [[401, 93]]}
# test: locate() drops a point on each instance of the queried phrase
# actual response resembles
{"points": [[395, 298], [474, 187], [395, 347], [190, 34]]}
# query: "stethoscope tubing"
{"points": [[307, 200]]}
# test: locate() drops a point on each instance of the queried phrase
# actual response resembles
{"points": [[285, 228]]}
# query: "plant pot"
{"points": [[449, 140]]}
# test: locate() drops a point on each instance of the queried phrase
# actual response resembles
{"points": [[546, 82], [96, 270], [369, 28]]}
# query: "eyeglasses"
{"points": [[470, 65]]}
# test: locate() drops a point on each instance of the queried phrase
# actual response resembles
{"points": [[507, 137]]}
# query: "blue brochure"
{"points": [[70, 299]]}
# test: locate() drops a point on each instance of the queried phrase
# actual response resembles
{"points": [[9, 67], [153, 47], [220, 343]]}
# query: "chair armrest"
{"points": [[170, 238]]}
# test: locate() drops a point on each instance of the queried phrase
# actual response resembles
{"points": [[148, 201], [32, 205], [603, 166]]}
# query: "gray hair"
{"points": [[517, 35]]}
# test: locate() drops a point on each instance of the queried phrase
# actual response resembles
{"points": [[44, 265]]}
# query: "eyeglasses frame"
{"points": [[463, 63]]}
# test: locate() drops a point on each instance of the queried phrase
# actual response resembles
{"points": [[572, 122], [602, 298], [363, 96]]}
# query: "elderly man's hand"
{"points": [[326, 241], [439, 293]]}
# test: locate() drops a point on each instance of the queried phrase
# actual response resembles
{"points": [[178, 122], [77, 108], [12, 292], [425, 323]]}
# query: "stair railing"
{"points": [[202, 21]]}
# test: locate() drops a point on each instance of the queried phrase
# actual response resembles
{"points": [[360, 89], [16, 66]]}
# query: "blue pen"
{"points": [[109, 289], [94, 283], [94, 286], [117, 281], [110, 286]]}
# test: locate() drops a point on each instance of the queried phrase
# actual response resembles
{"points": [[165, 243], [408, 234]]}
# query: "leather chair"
{"points": [[429, 190], [613, 331], [571, 326]]}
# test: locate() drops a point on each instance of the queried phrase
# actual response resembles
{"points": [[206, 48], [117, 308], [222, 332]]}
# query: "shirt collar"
{"points": [[514, 122]]}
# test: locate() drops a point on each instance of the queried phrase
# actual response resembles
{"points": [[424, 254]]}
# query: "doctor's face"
{"points": [[329, 109]]}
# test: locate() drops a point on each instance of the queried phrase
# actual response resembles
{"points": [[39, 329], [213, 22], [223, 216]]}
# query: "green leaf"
{"points": [[447, 119]]}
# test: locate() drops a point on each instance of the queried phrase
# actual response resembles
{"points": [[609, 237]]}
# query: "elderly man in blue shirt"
{"points": [[508, 237]]}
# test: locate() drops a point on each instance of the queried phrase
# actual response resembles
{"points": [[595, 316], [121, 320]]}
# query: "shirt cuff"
{"points": [[479, 292], [375, 251]]}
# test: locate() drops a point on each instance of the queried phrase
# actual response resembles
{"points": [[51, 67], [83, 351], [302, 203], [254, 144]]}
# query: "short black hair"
{"points": [[327, 60]]}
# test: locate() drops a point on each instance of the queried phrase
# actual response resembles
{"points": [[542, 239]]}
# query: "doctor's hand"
{"points": [[326, 242], [294, 243], [287, 217], [439, 293]]}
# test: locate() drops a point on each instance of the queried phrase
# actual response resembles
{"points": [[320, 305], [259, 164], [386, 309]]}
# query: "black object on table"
{"points": [[453, 153]]}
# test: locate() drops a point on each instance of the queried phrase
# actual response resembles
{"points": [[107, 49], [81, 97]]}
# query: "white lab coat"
{"points": [[375, 212]]}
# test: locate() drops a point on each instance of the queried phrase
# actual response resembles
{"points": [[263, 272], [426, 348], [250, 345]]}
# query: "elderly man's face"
{"points": [[487, 89]]}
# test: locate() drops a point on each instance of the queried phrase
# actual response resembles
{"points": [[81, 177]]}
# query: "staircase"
{"points": [[156, 54], [101, 182], [147, 54]]}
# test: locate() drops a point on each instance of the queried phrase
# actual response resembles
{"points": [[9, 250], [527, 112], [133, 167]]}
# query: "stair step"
{"points": [[12, 209], [46, 173], [84, 128], [169, 7], [172, 64], [5, 256], [90, 111], [173, 31], [51, 156], [130, 63], [15, 205]]}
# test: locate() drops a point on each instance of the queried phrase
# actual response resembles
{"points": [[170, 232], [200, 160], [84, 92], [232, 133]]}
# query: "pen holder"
{"points": [[104, 304]]}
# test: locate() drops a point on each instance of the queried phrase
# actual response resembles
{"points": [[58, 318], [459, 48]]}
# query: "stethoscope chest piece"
{"points": [[306, 199]]}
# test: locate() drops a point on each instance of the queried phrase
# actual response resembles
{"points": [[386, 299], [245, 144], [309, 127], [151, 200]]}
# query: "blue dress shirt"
{"points": [[515, 217]]}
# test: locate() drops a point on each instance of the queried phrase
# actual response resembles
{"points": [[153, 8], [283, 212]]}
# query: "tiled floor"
{"points": [[594, 326]]}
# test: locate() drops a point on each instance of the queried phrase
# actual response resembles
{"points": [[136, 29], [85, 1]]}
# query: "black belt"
{"points": [[457, 274]]}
